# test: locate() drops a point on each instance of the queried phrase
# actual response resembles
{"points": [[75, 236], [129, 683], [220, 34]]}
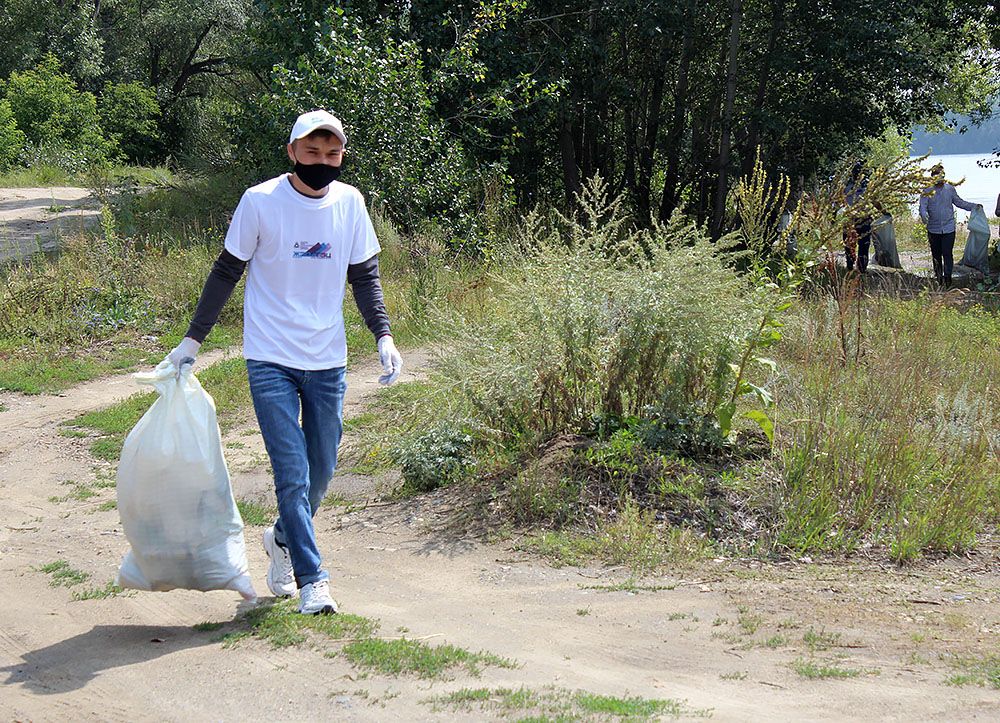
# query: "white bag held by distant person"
{"points": [[884, 236], [977, 248], [174, 497]]}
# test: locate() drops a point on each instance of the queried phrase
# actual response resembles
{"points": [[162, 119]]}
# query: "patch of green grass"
{"points": [[235, 445], [558, 704], [628, 707], [630, 585], [735, 675], [359, 421], [562, 548], [748, 621], [583, 611], [981, 671], [821, 640], [281, 625], [818, 671], [256, 514], [3, 407], [108, 505], [394, 657], [45, 370], [100, 593], [63, 575], [776, 641]]}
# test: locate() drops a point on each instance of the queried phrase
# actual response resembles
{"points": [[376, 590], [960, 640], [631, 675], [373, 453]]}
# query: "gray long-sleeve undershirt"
{"points": [[227, 270]]}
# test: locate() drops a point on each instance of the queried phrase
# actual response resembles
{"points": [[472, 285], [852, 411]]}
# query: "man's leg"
{"points": [[948, 252], [850, 248], [275, 390], [864, 245], [934, 239], [322, 423]]}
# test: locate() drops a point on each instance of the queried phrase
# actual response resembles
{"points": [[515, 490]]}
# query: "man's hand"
{"points": [[184, 354], [392, 362]]}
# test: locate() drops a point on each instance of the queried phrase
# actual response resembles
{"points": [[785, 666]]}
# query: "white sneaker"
{"points": [[280, 576], [315, 598]]}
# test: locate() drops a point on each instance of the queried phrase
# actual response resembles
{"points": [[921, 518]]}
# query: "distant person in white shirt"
{"points": [[302, 235], [938, 215]]}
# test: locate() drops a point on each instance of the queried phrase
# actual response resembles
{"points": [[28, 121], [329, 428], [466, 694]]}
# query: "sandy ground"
{"points": [[33, 219], [721, 636]]}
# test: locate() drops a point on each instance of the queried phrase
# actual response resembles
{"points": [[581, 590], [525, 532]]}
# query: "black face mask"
{"points": [[317, 175]]}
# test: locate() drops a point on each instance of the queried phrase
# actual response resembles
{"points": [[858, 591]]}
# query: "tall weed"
{"points": [[899, 450]]}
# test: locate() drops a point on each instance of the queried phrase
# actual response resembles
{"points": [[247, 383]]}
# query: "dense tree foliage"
{"points": [[452, 103]]}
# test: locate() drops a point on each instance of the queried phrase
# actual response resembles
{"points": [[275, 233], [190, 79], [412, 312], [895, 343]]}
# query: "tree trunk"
{"points": [[675, 138], [763, 78], [647, 148], [571, 172], [726, 129]]}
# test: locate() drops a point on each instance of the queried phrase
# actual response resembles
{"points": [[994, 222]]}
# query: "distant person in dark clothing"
{"points": [[938, 216], [857, 252]]}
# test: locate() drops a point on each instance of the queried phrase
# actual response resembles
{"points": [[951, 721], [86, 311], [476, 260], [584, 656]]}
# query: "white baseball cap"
{"points": [[313, 121]]}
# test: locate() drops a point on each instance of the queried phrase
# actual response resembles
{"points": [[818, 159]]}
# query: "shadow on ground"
{"points": [[72, 663]]}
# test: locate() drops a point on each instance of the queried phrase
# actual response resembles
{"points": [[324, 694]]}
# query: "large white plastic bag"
{"points": [[977, 248], [174, 497]]}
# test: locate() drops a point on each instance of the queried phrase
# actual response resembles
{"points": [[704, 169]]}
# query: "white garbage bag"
{"points": [[977, 247], [884, 236], [174, 497]]}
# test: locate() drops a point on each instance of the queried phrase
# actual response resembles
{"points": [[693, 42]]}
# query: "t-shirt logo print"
{"points": [[316, 251]]}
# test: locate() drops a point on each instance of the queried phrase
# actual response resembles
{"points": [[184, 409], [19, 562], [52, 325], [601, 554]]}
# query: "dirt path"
{"points": [[723, 637], [32, 219]]}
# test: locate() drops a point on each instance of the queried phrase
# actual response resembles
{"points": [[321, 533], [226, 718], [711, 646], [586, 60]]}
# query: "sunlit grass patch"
{"points": [[818, 670], [256, 514], [281, 625], [558, 704], [395, 657], [982, 671], [101, 593], [63, 575]]}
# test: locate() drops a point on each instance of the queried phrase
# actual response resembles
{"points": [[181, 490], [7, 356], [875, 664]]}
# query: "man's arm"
{"points": [[960, 202], [367, 287], [225, 274], [923, 208]]}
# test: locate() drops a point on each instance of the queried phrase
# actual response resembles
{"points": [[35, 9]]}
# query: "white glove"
{"points": [[184, 354], [392, 362]]}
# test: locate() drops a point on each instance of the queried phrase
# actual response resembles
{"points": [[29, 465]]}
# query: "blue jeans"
{"points": [[304, 456]]}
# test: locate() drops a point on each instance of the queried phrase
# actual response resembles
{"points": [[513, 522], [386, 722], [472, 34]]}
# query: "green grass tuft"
{"points": [[256, 514], [628, 707], [63, 575], [394, 657], [981, 671], [819, 671], [100, 593], [281, 625]]}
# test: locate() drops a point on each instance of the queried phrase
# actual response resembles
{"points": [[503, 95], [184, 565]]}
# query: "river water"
{"points": [[981, 184]]}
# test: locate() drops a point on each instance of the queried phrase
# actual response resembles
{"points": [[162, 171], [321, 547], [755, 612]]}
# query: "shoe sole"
{"points": [[325, 610], [270, 557]]}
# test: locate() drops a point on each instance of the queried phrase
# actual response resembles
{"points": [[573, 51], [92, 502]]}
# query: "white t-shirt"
{"points": [[298, 250]]}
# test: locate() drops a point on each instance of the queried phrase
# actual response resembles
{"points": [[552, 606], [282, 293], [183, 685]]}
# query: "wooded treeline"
{"points": [[453, 106]]}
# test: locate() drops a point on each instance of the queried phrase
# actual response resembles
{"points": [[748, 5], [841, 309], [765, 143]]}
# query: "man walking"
{"points": [[303, 236], [938, 216]]}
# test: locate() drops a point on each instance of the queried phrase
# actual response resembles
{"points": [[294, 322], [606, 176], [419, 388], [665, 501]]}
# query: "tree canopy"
{"points": [[519, 101]]}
